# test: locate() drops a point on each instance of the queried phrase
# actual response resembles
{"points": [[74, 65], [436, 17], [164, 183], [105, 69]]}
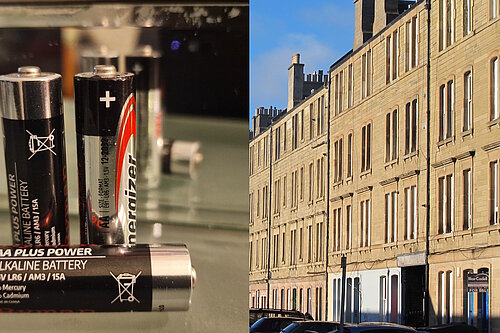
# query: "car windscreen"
{"points": [[290, 328], [270, 324]]}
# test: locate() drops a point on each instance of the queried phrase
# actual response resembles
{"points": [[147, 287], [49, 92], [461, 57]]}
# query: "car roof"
{"points": [[320, 321], [378, 324], [264, 312], [282, 318]]}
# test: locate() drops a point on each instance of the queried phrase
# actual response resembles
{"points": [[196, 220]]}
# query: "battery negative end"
{"points": [[104, 70], [29, 71], [193, 277]]}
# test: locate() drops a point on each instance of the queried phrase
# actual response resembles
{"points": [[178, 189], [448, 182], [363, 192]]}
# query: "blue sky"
{"points": [[320, 30]]}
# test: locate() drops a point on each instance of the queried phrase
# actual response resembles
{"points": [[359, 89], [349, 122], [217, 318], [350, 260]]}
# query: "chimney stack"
{"points": [[364, 17], [385, 12], [295, 81]]}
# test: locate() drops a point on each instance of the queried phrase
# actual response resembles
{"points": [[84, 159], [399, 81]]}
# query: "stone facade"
{"points": [[411, 139]]}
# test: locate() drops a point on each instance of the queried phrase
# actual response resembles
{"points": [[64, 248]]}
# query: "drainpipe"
{"points": [[428, 173], [327, 216], [268, 277]]}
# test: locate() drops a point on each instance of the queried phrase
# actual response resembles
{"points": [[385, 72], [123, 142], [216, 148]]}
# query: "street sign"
{"points": [[477, 283]]}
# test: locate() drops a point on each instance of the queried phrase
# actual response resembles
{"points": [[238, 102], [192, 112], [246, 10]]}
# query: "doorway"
{"points": [[413, 288]]}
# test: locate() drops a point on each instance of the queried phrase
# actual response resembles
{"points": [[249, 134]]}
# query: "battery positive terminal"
{"points": [[29, 71], [105, 70]]}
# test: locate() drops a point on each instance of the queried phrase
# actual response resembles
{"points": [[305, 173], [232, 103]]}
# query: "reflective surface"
{"points": [[118, 15], [219, 301], [209, 214], [217, 198]]}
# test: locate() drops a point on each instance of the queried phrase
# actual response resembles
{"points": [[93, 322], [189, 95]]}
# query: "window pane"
{"points": [[394, 134], [414, 126], [441, 112], [494, 192], [368, 73], [368, 146], [494, 89], [440, 205], [449, 203], [407, 128], [349, 155], [387, 217], [449, 113], [467, 101], [363, 140], [388, 137], [388, 62]]}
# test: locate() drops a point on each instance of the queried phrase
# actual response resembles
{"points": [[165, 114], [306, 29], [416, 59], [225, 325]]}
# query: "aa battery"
{"points": [[110, 278], [35, 156], [181, 157], [145, 63], [107, 166]]}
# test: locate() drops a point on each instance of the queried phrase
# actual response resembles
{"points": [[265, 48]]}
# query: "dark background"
{"points": [[204, 70]]}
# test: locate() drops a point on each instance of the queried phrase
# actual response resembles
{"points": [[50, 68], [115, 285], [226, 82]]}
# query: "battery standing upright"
{"points": [[107, 166], [35, 156]]}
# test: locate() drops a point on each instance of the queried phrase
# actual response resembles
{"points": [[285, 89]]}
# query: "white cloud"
{"points": [[269, 71]]}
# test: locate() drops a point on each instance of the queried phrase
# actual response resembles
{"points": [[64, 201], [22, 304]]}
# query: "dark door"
{"points": [[413, 281]]}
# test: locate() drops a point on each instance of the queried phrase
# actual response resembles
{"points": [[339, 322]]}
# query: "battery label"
{"points": [[36, 180], [77, 279], [108, 182], [126, 170]]}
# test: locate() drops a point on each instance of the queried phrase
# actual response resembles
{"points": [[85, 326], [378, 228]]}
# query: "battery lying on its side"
{"points": [[145, 63], [109, 278], [35, 156], [107, 166], [181, 157]]}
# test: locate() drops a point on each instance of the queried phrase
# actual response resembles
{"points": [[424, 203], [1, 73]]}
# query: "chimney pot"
{"points": [[320, 75], [325, 80], [296, 58], [315, 77], [256, 112], [309, 77]]}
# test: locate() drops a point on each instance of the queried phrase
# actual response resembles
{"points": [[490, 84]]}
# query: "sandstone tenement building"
{"points": [[391, 160]]}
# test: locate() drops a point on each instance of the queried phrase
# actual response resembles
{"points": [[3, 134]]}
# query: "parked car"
{"points": [[256, 314], [311, 326], [376, 328], [450, 328], [272, 324]]}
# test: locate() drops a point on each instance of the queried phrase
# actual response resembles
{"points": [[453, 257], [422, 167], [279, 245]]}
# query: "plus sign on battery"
{"points": [[137, 68], [107, 99]]}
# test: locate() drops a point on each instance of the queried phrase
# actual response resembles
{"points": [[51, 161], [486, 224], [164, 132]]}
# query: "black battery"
{"points": [[35, 156], [107, 166], [110, 278], [145, 64]]}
